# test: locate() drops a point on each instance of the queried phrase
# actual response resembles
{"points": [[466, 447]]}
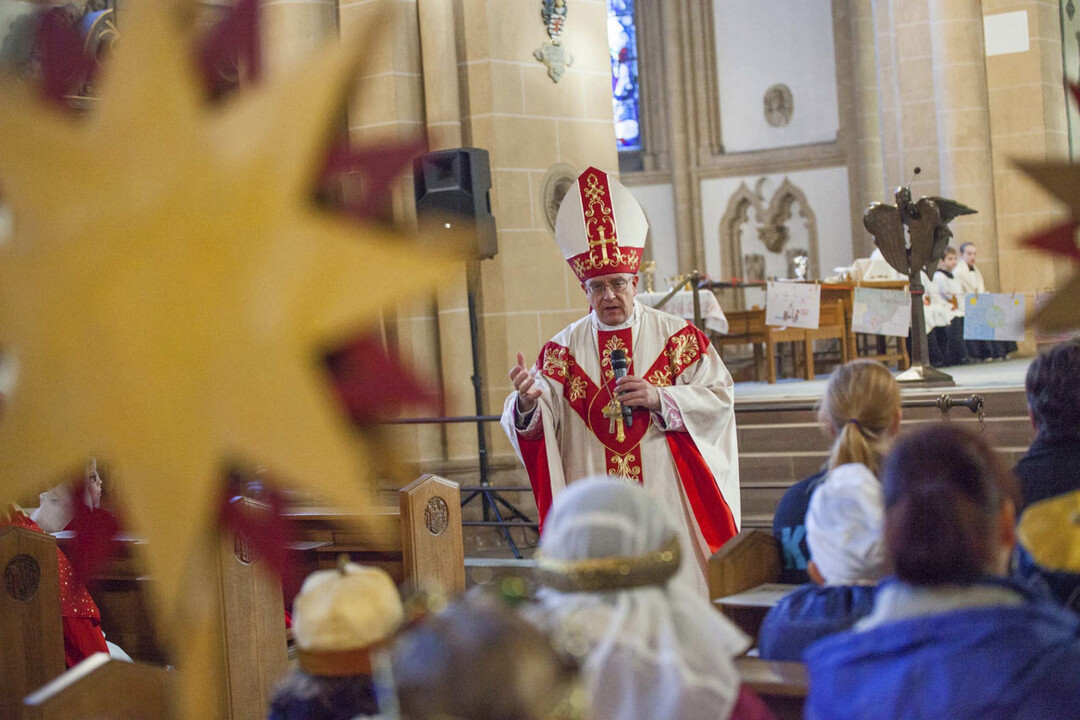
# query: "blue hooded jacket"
{"points": [[1003, 662], [809, 614]]}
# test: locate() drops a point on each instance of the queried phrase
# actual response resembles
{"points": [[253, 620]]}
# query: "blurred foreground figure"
{"points": [[480, 661], [340, 618], [617, 595], [950, 637], [1049, 475]]}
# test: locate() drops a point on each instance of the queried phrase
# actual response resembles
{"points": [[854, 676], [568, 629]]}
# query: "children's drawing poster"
{"points": [[881, 312], [994, 316], [792, 304]]}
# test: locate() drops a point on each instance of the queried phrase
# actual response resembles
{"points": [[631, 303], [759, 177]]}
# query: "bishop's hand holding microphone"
{"points": [[631, 390]]}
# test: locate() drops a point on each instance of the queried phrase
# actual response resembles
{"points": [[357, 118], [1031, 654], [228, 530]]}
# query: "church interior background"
{"points": [[750, 132]]}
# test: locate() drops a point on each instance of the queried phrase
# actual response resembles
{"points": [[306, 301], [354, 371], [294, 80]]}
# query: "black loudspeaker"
{"points": [[457, 183]]}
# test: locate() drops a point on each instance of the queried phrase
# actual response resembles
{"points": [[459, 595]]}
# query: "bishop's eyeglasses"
{"points": [[598, 288]]}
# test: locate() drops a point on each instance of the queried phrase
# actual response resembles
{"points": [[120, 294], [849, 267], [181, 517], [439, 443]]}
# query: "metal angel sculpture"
{"points": [[912, 253]]}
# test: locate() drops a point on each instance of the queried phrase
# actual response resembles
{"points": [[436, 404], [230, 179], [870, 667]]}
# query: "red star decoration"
{"points": [[1058, 240], [232, 48], [65, 66], [377, 165], [374, 386], [267, 530]]}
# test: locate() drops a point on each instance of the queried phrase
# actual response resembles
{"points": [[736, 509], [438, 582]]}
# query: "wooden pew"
{"points": [[31, 635], [781, 685], [105, 689], [250, 615], [251, 623], [749, 561], [419, 542]]}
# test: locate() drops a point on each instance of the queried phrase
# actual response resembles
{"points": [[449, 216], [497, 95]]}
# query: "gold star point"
{"points": [[170, 283]]}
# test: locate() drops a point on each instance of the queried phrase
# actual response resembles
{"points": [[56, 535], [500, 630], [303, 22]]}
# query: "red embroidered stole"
{"points": [[589, 400], [683, 349]]}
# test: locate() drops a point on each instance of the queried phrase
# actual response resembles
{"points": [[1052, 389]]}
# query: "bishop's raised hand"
{"points": [[525, 384]]}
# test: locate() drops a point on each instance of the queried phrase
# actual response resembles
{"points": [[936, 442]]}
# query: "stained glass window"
{"points": [[622, 40]]}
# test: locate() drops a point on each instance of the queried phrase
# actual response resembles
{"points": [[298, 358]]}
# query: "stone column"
{"points": [[389, 105], [1027, 122], [963, 123], [439, 49], [682, 175], [528, 123], [868, 181]]}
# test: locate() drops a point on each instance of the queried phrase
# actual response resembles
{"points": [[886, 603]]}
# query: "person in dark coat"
{"points": [[1051, 466]]}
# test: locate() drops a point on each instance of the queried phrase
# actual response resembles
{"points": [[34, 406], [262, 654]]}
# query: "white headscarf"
{"points": [[658, 651], [845, 526]]}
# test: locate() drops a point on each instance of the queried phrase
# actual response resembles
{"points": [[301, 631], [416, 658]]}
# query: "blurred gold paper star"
{"points": [[170, 287], [1062, 180]]}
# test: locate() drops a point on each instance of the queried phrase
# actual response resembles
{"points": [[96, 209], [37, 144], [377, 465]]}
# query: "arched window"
{"points": [[622, 41]]}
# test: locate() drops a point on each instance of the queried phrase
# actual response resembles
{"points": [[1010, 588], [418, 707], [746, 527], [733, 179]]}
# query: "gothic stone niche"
{"points": [[764, 242]]}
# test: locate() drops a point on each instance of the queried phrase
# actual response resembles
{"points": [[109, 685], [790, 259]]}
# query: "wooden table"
{"points": [[748, 609], [682, 305]]}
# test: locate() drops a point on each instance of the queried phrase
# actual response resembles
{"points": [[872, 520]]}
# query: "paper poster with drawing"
{"points": [[881, 312], [993, 316], [792, 304]]}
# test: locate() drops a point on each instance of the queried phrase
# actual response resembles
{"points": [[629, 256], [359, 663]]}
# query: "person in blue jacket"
{"points": [[844, 531], [949, 636]]}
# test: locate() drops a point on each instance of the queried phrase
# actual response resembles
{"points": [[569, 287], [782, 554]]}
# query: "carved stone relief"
{"points": [[557, 181], [754, 267], [779, 105], [766, 233]]}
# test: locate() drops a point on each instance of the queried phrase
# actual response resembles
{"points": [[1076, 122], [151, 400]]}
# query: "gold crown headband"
{"points": [[614, 573]]}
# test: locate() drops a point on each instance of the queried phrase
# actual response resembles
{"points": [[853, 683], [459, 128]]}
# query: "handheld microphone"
{"points": [[618, 364]]}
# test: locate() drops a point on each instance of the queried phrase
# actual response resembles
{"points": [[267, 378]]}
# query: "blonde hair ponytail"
{"points": [[860, 405]]}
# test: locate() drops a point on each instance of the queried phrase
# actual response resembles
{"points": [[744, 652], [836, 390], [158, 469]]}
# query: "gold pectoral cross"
{"points": [[613, 412]]}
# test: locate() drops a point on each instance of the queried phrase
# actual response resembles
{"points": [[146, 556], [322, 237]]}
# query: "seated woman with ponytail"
{"points": [[949, 637], [843, 524]]}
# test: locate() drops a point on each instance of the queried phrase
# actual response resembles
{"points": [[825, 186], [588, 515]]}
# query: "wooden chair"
{"points": [[832, 324], [872, 347], [777, 335], [745, 327], [419, 542]]}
